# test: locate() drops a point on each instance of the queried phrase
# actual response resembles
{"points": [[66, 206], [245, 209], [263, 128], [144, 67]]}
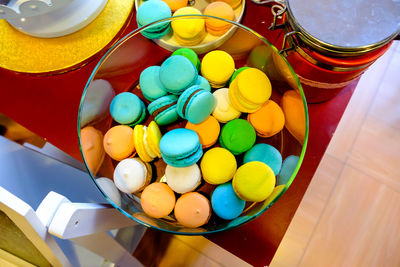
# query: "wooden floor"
{"points": [[350, 214]]}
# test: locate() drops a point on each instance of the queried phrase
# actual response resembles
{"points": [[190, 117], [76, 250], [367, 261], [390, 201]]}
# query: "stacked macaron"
{"points": [[222, 10], [151, 11], [188, 32], [218, 147]]}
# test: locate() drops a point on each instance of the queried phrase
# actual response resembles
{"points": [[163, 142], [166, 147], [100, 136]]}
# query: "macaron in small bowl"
{"points": [[121, 68]]}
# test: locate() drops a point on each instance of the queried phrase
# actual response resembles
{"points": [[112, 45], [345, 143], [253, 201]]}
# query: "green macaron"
{"points": [[189, 54], [237, 136]]}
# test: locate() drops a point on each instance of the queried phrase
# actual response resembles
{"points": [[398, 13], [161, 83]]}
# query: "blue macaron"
{"points": [[225, 203], [127, 108], [177, 73], [203, 83], [288, 167], [265, 153], [180, 147], [195, 104], [151, 11], [150, 84], [163, 109]]}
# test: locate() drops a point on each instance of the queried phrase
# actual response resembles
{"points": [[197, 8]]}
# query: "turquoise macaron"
{"points": [[151, 11], [127, 108], [181, 147], [163, 110], [237, 136], [265, 153], [225, 203], [177, 73], [150, 84], [288, 167], [203, 83], [195, 104]]}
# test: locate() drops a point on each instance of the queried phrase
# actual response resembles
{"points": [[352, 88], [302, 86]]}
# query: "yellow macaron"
{"points": [[250, 90], [143, 149], [190, 31], [254, 181], [217, 67], [153, 138], [218, 165]]}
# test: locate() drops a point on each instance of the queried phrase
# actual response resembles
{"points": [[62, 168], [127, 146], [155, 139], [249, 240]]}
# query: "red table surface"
{"points": [[48, 106]]}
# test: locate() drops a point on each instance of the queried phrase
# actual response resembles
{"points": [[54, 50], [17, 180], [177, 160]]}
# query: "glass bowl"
{"points": [[120, 68]]}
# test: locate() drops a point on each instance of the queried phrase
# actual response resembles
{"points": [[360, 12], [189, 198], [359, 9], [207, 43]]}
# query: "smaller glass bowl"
{"points": [[121, 67]]}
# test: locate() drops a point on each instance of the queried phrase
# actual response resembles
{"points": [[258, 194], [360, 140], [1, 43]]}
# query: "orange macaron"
{"points": [[293, 109], [176, 4], [92, 148], [208, 131], [157, 200], [192, 210], [222, 10], [118, 142], [268, 120], [233, 3]]}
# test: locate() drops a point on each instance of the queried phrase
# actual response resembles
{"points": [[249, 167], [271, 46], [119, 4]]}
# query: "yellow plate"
{"points": [[23, 53], [210, 42]]}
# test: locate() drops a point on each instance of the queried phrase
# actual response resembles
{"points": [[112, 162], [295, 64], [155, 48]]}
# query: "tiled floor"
{"points": [[350, 213]]}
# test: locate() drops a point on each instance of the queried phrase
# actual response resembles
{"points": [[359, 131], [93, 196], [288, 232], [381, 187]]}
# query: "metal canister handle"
{"points": [[278, 15]]}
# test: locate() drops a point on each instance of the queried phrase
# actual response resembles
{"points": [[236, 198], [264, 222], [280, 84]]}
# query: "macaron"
{"points": [[294, 111], [127, 108], [183, 180], [208, 131], [233, 3], [109, 188], [218, 165], [268, 120], [157, 200], [164, 109], [224, 111], [97, 100], [239, 70], [177, 73], [189, 54], [249, 90], [195, 104], [132, 175], [288, 167], [145, 151], [118, 142], [254, 181], [180, 147], [151, 11], [152, 138], [265, 153], [203, 83], [92, 148], [192, 210], [222, 10], [176, 4], [225, 203], [150, 83], [188, 32], [237, 136], [217, 67]]}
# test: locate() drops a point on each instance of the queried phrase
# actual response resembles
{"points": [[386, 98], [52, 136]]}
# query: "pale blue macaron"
{"points": [[195, 104], [225, 203], [177, 73], [288, 167], [181, 147], [265, 153], [203, 83], [151, 11], [150, 84], [127, 108]]}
